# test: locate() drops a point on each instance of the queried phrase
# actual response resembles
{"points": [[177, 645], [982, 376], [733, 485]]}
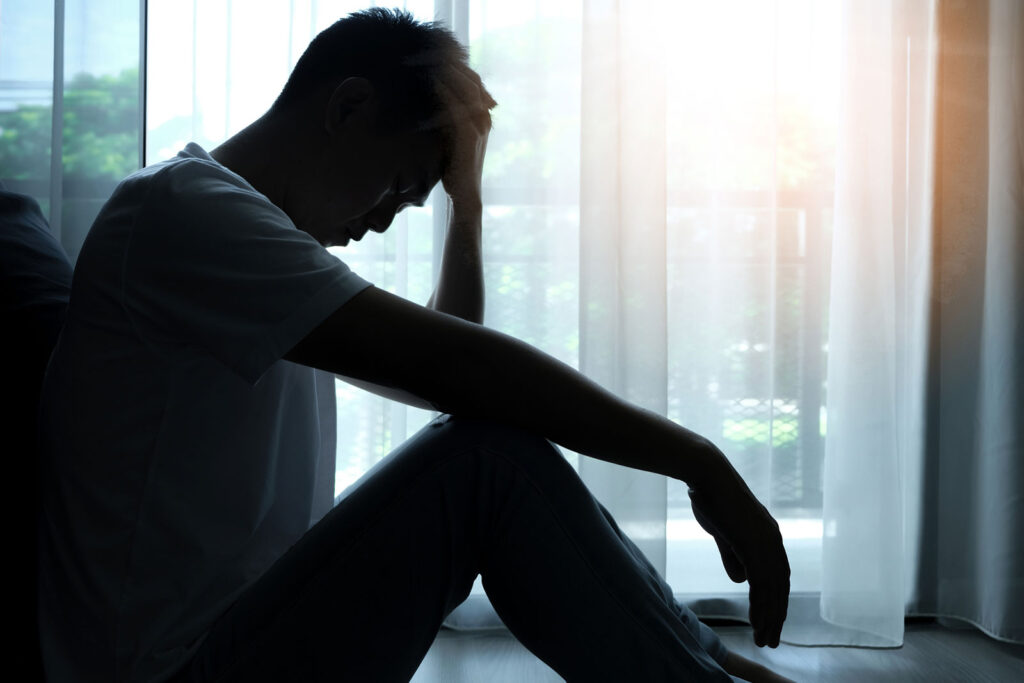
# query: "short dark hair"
{"points": [[399, 55]]}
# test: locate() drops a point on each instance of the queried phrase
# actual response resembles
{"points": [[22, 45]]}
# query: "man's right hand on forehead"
{"points": [[468, 123]]}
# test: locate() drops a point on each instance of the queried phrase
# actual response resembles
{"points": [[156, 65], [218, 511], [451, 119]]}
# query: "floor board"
{"points": [[931, 653]]}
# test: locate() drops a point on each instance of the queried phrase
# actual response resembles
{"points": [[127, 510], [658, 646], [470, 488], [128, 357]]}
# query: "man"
{"points": [[179, 419]]}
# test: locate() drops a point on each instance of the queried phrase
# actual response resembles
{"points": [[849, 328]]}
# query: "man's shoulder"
{"points": [[186, 193], [178, 206], [181, 181]]}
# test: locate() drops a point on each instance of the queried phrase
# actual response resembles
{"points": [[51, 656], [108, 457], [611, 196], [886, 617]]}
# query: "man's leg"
{"points": [[580, 594], [362, 595]]}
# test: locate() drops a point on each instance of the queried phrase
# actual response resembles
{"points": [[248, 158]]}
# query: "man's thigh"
{"points": [[363, 593]]}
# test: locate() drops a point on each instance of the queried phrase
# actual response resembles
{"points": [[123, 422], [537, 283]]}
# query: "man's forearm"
{"points": [[460, 284], [466, 369], [499, 377]]}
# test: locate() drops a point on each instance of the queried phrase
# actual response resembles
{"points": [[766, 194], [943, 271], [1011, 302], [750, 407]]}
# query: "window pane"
{"points": [[98, 105]]}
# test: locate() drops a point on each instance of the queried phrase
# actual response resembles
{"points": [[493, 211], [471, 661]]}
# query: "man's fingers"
{"points": [[456, 112], [464, 98], [469, 93], [756, 613], [780, 595], [458, 77], [457, 88], [467, 86], [762, 614], [782, 608], [485, 97], [769, 602], [776, 616], [459, 114], [770, 588], [753, 552], [463, 86]]}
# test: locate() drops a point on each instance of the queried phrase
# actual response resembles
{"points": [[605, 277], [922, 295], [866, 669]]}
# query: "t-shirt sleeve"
{"points": [[212, 263]]}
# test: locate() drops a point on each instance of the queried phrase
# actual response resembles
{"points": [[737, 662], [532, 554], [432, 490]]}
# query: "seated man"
{"points": [[180, 424]]}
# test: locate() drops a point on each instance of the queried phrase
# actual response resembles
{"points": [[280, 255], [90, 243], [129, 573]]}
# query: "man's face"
{"points": [[364, 178]]}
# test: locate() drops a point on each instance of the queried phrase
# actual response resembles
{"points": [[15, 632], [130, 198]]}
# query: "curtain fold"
{"points": [[862, 544], [923, 502], [970, 554], [622, 281]]}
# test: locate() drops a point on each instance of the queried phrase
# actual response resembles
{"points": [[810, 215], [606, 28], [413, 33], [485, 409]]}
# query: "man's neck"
{"points": [[262, 153]]}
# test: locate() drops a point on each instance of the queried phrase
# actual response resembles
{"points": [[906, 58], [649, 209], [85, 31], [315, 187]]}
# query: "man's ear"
{"points": [[353, 96]]}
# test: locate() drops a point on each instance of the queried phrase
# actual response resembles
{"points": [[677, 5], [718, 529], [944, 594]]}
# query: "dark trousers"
{"points": [[361, 596]]}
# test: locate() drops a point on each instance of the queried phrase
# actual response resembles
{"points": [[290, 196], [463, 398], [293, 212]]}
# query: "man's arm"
{"points": [[460, 284], [460, 287], [459, 291], [467, 369]]}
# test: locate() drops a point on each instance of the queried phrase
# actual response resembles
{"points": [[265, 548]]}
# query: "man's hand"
{"points": [[750, 544], [466, 123], [467, 105]]}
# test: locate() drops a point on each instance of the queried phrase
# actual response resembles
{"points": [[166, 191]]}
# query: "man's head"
{"points": [[370, 119], [400, 56]]}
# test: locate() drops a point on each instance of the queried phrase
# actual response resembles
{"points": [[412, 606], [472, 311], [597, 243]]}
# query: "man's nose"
{"points": [[380, 220]]}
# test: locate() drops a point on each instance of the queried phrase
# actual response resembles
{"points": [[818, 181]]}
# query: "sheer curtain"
{"points": [[708, 148], [924, 465]]}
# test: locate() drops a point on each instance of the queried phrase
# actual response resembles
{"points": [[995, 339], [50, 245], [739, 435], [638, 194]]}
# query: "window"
{"points": [[97, 99]]}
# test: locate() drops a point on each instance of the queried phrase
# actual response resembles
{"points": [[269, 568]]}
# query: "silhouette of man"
{"points": [[180, 435]]}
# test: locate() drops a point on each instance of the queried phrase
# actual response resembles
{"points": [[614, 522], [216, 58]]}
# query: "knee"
{"points": [[527, 451], [497, 436]]}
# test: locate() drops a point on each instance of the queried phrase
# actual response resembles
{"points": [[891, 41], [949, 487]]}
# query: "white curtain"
{"points": [[623, 310], [712, 208], [878, 324], [707, 162], [924, 463]]}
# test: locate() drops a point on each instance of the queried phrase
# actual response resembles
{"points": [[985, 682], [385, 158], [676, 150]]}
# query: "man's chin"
{"points": [[329, 241]]}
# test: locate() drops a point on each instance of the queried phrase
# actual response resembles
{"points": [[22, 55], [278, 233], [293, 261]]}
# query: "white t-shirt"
{"points": [[179, 451]]}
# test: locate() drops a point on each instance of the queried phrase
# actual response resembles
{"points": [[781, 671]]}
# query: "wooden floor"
{"points": [[931, 653]]}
